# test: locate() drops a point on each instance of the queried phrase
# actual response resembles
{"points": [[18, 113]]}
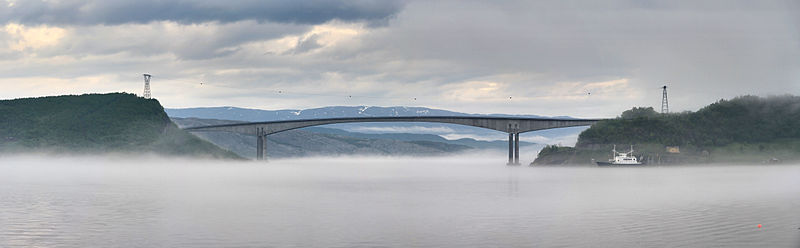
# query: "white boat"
{"points": [[621, 158]]}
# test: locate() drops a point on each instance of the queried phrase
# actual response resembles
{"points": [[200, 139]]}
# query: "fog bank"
{"points": [[471, 200]]}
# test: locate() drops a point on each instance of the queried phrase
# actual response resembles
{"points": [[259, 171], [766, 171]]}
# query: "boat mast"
{"points": [[614, 152]]}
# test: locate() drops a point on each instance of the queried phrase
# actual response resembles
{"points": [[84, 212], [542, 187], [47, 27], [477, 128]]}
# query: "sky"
{"points": [[552, 58]]}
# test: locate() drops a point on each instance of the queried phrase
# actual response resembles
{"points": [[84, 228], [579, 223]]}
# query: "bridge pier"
{"points": [[261, 144], [516, 149], [513, 149], [259, 149], [510, 149]]}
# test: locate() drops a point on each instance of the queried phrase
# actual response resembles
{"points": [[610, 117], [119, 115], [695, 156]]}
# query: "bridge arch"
{"points": [[510, 125]]}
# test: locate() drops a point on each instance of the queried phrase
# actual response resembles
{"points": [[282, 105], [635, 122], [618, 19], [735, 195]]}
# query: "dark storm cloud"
{"points": [[114, 12]]}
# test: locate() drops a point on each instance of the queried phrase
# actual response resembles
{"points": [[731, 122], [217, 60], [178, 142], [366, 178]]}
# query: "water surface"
{"points": [[399, 202]]}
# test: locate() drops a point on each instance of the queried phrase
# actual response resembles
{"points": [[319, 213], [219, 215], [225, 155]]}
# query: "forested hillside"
{"points": [[746, 119], [756, 127], [91, 123]]}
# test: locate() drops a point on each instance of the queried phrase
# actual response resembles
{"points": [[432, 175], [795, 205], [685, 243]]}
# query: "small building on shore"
{"points": [[674, 149]]}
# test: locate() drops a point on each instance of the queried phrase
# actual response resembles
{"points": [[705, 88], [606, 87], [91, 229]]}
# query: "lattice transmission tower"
{"points": [[147, 86], [664, 102]]}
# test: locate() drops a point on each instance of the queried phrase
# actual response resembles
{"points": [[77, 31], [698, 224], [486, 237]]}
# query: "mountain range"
{"points": [[244, 114]]}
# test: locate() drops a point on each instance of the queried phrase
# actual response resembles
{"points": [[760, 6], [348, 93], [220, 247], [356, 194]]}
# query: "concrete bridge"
{"points": [[510, 125]]}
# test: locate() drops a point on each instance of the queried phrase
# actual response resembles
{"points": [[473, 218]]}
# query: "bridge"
{"points": [[510, 125]]}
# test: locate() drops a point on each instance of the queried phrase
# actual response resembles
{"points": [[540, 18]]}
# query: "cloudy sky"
{"points": [[578, 58]]}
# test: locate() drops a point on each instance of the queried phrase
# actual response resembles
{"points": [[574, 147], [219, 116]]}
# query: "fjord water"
{"points": [[391, 202]]}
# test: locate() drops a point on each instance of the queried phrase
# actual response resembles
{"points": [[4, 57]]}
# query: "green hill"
{"points": [[745, 129], [96, 123]]}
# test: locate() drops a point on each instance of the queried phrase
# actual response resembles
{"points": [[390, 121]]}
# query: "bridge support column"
{"points": [[259, 148], [516, 149], [510, 149], [261, 145]]}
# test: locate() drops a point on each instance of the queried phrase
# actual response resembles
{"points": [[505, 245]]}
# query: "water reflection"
{"points": [[513, 182]]}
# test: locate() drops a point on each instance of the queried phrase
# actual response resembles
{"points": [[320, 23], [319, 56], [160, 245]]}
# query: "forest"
{"points": [[745, 119], [91, 123], [722, 131]]}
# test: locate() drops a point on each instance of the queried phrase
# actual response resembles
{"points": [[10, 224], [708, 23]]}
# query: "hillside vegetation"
{"points": [[96, 123], [743, 129]]}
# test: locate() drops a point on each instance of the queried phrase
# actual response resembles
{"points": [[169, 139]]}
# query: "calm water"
{"points": [[369, 202]]}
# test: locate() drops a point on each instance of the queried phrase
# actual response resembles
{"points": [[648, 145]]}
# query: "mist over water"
{"points": [[472, 201]]}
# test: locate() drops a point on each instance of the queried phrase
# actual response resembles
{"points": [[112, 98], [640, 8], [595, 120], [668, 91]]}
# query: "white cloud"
{"points": [[22, 37], [475, 91]]}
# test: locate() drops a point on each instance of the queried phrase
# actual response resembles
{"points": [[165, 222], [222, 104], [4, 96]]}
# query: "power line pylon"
{"points": [[664, 102], [147, 86]]}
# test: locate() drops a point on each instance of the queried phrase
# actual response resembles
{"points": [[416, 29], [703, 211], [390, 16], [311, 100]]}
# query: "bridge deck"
{"points": [[512, 126], [502, 124]]}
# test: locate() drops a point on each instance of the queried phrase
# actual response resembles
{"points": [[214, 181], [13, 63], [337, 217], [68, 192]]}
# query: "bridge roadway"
{"points": [[512, 126]]}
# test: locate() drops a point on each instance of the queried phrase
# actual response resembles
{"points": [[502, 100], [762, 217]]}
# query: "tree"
{"points": [[639, 112]]}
